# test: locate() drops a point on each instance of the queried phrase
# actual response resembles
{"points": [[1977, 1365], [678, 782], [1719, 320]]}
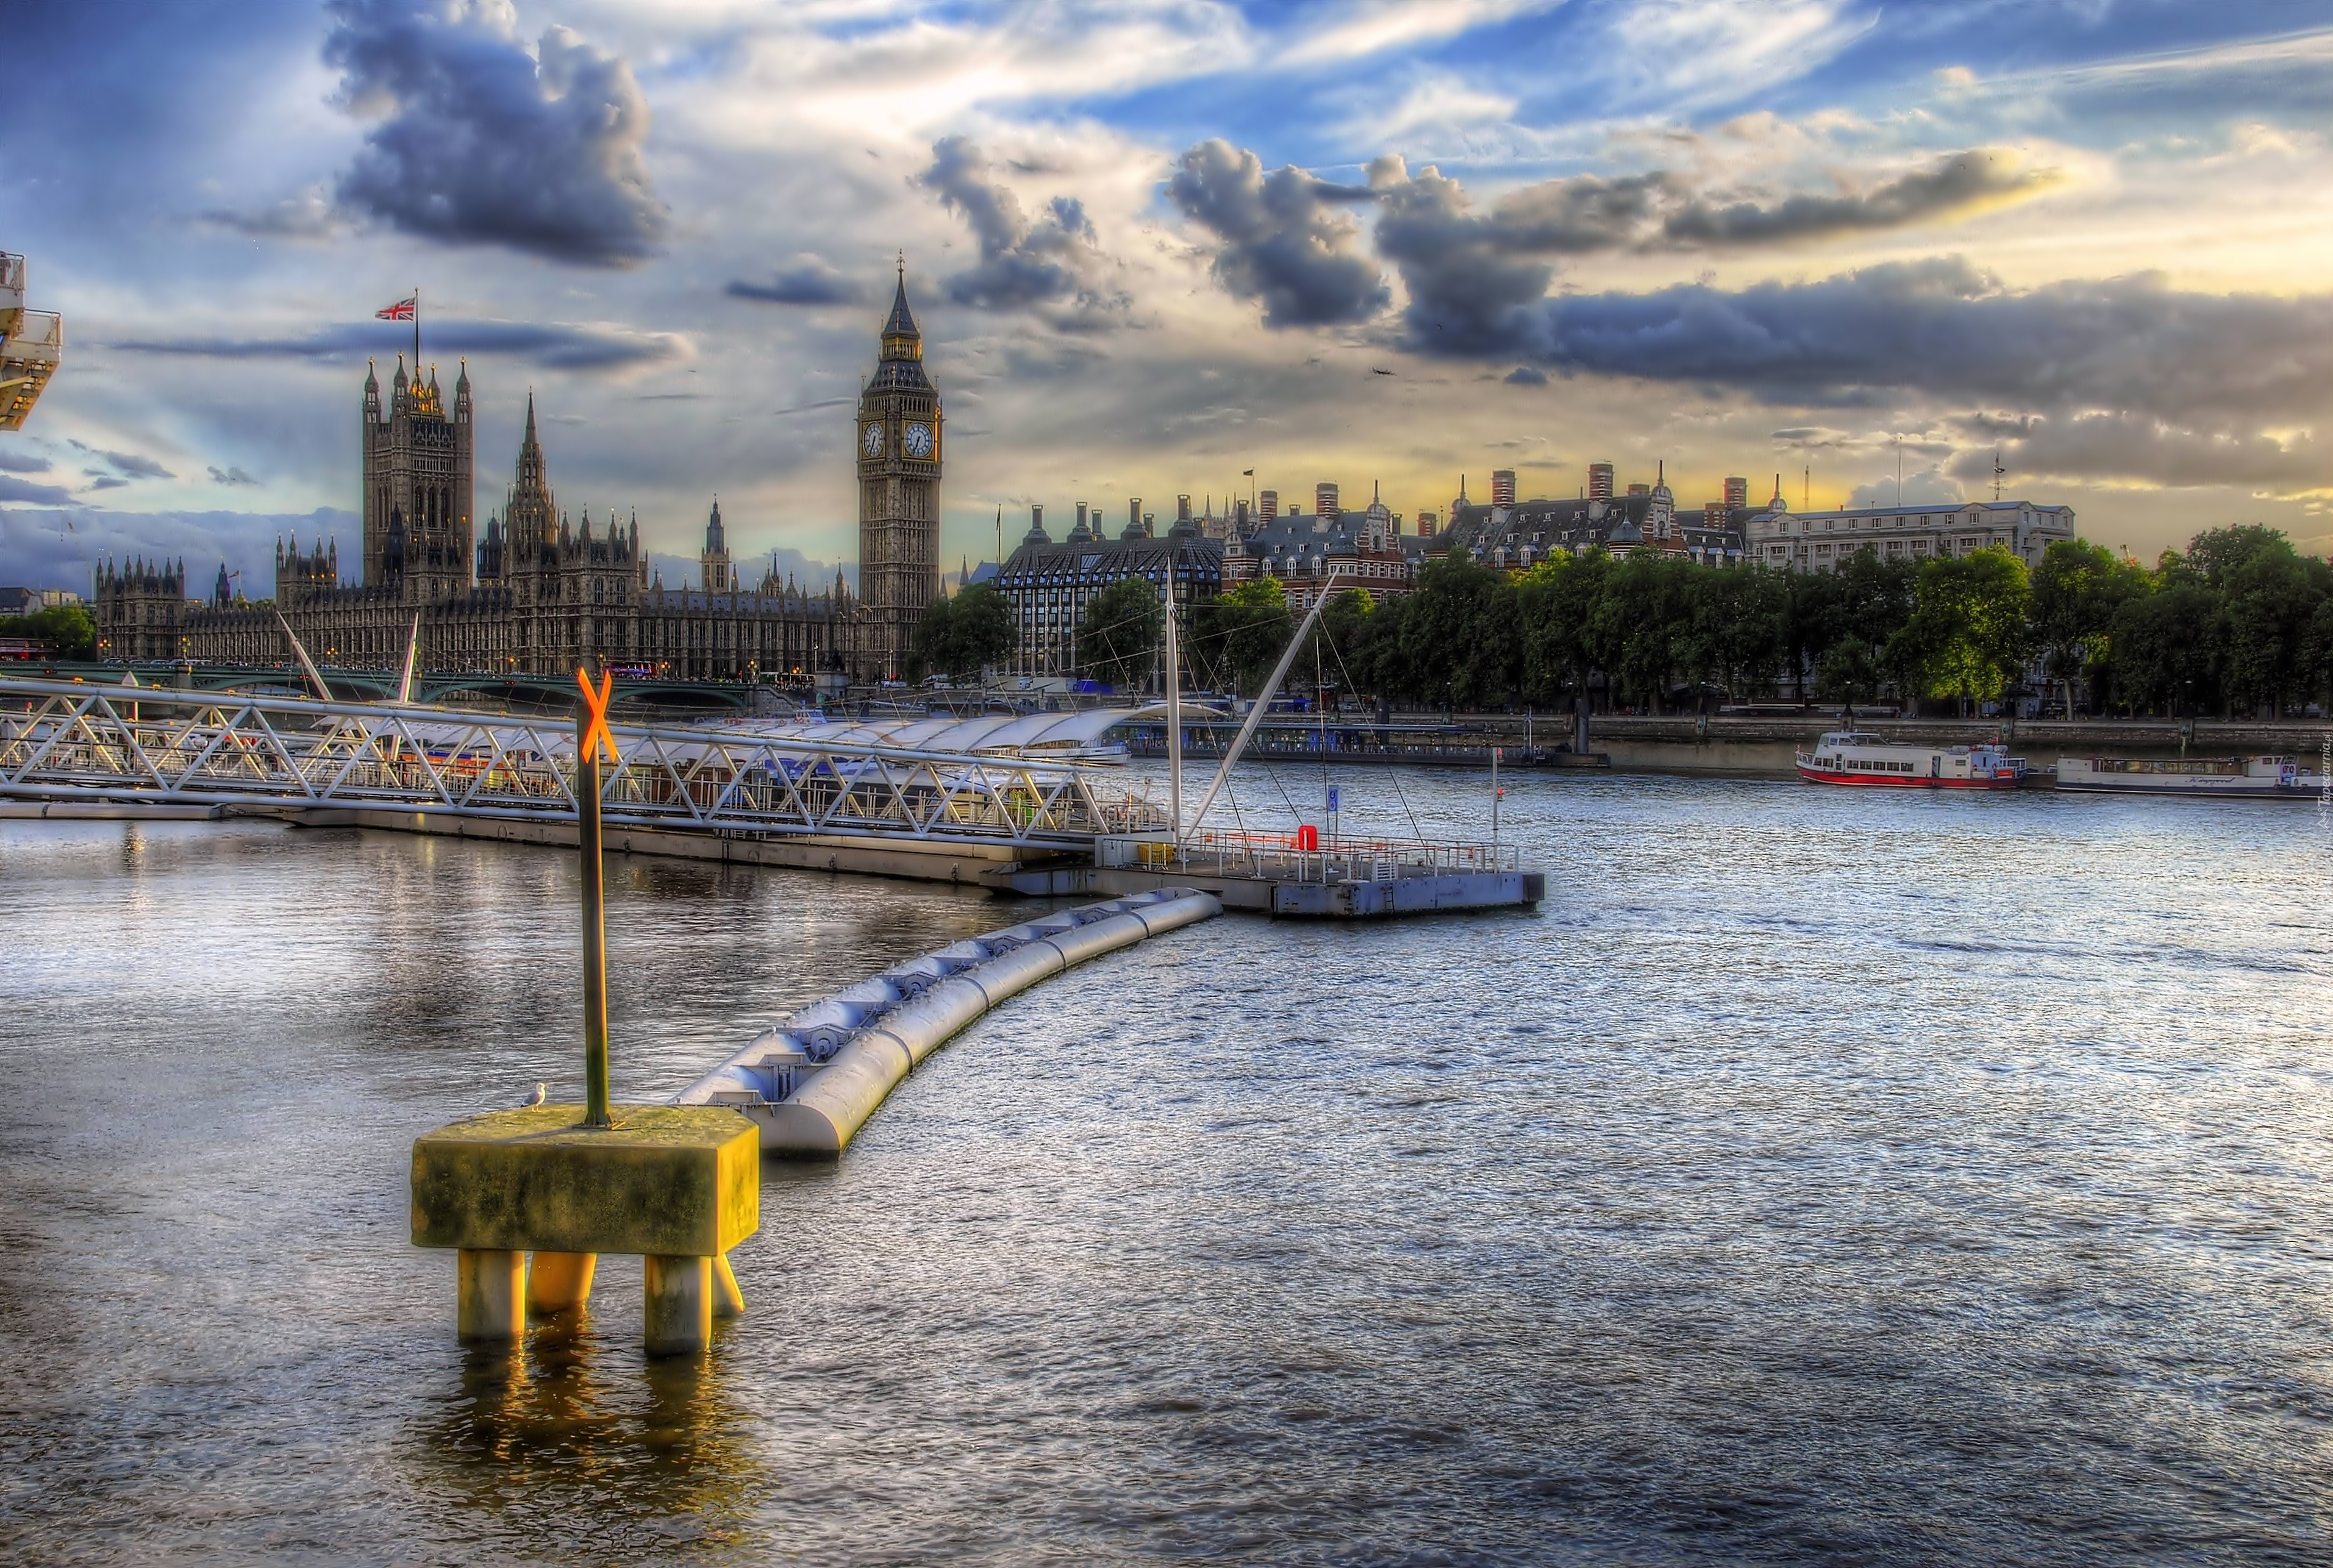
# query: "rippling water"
{"points": [[1823, 1176]]}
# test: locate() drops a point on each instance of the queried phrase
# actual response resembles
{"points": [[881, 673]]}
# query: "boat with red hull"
{"points": [[1860, 758]]}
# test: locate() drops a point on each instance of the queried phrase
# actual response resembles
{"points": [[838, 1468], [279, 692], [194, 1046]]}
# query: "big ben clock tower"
{"points": [[899, 442]]}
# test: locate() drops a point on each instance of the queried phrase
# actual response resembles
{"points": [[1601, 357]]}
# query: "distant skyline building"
{"points": [[1324, 500], [1737, 492], [1268, 505], [1600, 481], [1503, 487]]}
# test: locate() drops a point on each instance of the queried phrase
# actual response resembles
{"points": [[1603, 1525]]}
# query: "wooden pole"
{"points": [[590, 726]]}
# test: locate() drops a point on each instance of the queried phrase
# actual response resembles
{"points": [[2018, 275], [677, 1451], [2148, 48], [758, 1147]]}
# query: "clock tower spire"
{"points": [[898, 491]]}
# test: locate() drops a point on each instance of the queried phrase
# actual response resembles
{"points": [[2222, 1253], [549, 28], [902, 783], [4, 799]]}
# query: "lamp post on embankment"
{"points": [[559, 1184]]}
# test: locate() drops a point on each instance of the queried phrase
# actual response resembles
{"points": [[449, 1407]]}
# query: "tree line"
{"points": [[2238, 623]]}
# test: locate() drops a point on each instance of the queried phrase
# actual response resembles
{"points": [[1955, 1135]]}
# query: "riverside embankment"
{"points": [[1761, 746]]}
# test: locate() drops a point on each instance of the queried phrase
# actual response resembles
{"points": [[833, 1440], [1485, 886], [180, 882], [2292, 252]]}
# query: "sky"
{"points": [[1157, 244]]}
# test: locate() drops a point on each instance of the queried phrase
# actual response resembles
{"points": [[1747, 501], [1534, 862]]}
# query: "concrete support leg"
{"points": [[679, 1316], [560, 1281], [728, 1301], [489, 1294]]}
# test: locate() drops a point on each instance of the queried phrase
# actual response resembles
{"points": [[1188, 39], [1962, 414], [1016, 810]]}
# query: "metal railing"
{"points": [[68, 741], [1294, 858]]}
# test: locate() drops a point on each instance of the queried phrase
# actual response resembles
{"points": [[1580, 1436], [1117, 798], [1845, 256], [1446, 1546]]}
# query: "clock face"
{"points": [[872, 441], [917, 440]]}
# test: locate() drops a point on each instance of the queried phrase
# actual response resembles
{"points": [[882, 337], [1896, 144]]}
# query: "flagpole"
{"points": [[417, 332]]}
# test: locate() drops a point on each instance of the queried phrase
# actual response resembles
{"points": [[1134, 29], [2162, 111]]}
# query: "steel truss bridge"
{"points": [[405, 766], [556, 692]]}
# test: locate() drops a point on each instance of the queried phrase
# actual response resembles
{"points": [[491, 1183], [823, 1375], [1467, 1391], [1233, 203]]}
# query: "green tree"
{"points": [[1555, 604], [1240, 635], [1460, 636], [962, 636], [1118, 637], [2165, 648], [2076, 592], [2269, 601], [1740, 629], [66, 630], [1816, 620], [1967, 634], [1641, 623]]}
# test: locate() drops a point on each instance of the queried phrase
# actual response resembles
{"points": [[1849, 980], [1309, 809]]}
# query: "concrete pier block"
{"points": [[677, 1315], [489, 1290], [728, 1301], [560, 1281]]}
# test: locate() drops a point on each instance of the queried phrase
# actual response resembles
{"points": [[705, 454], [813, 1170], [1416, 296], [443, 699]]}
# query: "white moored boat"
{"points": [[2255, 778], [1855, 756]]}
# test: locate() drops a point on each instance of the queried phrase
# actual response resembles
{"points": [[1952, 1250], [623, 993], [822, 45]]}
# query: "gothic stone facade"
{"points": [[541, 594]]}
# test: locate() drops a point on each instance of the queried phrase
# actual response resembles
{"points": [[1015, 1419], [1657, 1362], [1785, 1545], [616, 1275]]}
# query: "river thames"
{"points": [[1819, 1176]]}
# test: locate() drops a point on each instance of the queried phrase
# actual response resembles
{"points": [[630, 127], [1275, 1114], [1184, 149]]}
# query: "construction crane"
{"points": [[32, 342]]}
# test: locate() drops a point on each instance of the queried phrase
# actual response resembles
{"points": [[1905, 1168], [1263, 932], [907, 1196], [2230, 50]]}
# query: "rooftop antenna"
{"points": [[1999, 473], [1899, 469], [1807, 488]]}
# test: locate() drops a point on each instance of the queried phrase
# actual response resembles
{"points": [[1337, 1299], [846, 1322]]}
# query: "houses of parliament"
{"points": [[543, 592]]}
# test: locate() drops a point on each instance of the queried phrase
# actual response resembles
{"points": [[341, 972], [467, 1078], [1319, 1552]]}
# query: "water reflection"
{"points": [[574, 1438]]}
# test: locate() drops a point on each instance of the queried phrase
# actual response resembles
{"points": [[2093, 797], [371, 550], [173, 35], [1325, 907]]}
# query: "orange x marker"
{"points": [[597, 701]]}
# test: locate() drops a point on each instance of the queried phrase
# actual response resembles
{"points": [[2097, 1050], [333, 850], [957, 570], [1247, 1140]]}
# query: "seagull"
{"points": [[1377, 371], [541, 1092]]}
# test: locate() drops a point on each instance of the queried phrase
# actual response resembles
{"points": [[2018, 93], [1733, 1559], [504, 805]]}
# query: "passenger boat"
{"points": [[1857, 757], [2253, 778]]}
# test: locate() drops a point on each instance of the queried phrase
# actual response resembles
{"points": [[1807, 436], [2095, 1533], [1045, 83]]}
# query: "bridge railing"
{"points": [[67, 740], [1305, 858]]}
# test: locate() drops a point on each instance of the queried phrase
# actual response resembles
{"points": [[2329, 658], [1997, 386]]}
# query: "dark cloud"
{"points": [[37, 494], [809, 281], [130, 465], [561, 347], [231, 476], [1526, 376], [1286, 237], [1952, 186], [1053, 259], [480, 142], [1475, 279], [101, 481], [2123, 447], [22, 463], [1941, 332]]}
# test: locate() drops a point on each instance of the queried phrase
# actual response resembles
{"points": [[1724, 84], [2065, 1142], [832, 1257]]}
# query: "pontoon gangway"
{"points": [[71, 741]]}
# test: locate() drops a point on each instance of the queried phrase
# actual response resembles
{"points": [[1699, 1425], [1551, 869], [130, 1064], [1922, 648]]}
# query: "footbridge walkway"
{"points": [[848, 802]]}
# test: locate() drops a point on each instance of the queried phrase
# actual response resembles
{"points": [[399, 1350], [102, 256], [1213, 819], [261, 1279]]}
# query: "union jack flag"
{"points": [[400, 312]]}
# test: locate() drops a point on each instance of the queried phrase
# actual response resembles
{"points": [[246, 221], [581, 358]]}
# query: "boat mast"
{"points": [[1174, 718], [1255, 713]]}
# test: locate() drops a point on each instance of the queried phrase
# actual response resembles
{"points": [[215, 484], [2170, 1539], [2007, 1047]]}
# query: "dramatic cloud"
{"points": [[1526, 376], [22, 463], [557, 346], [37, 494], [1285, 237], [480, 142], [1956, 186], [1942, 331], [1471, 275], [130, 465], [231, 476], [809, 281], [1053, 259], [2126, 447]]}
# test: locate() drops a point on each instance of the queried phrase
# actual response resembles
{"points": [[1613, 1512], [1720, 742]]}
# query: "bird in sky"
{"points": [[1376, 371]]}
